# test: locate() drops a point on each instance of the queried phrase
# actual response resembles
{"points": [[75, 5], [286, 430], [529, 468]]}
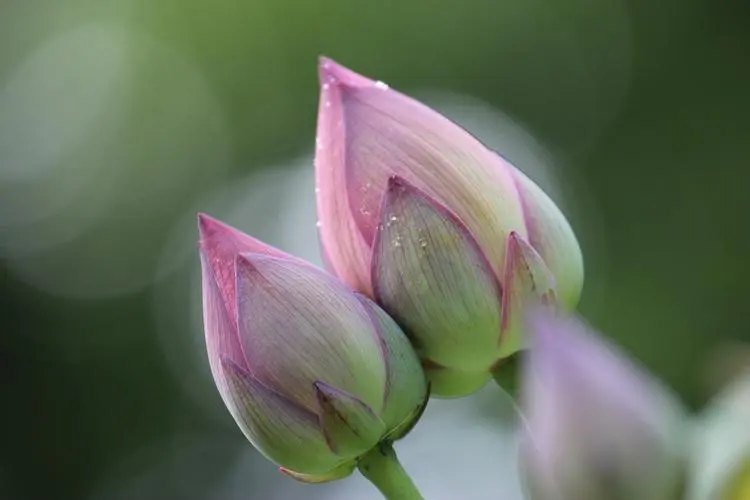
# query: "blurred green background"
{"points": [[120, 119]]}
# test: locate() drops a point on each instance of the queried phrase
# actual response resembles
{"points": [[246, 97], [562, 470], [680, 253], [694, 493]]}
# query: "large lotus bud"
{"points": [[598, 427], [446, 235], [721, 453], [314, 374]]}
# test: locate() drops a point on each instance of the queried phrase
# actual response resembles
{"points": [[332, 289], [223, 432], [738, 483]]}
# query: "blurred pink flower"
{"points": [[598, 426]]}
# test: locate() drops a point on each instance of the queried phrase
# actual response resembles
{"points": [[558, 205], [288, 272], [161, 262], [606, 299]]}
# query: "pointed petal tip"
{"points": [[205, 223], [211, 229], [333, 74], [397, 182]]}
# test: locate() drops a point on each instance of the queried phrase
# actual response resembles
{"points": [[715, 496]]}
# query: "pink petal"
{"points": [[220, 245], [346, 253], [378, 132], [220, 331], [299, 325], [594, 416]]}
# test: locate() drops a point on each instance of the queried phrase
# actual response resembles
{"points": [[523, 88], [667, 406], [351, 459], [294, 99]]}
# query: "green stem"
{"points": [[381, 467]]}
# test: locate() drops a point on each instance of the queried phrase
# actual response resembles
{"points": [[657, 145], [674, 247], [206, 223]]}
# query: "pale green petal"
{"points": [[299, 325], [430, 275], [526, 282], [549, 232], [284, 432], [351, 427], [340, 472], [406, 386]]}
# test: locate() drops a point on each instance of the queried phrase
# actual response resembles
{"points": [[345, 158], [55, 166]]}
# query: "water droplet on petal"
{"points": [[318, 224], [381, 85]]}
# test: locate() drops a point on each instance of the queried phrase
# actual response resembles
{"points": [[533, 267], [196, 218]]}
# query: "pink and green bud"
{"points": [[451, 239], [597, 425], [721, 451], [314, 374]]}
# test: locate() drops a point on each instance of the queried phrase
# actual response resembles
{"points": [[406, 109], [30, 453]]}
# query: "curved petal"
{"points": [[299, 325], [526, 280], [549, 232], [220, 332], [431, 276], [380, 133], [284, 432], [340, 472], [350, 426], [346, 253], [599, 424], [452, 383], [220, 244], [406, 386]]}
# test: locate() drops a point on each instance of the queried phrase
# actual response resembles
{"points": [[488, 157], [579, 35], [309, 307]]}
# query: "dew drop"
{"points": [[326, 86], [381, 85], [318, 224], [328, 104], [394, 218]]}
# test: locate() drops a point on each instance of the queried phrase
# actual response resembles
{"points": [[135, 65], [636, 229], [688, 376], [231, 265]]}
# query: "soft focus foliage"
{"points": [[119, 120]]}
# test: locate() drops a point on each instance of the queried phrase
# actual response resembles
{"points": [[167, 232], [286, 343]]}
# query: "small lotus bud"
{"points": [[598, 427], [314, 374], [452, 240], [721, 451]]}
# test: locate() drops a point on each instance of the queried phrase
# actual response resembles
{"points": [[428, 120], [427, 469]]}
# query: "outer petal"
{"points": [[346, 253], [431, 276], [299, 325], [220, 244], [284, 432], [600, 427], [380, 133], [350, 426], [342, 471], [406, 386], [526, 279], [220, 332], [551, 235]]}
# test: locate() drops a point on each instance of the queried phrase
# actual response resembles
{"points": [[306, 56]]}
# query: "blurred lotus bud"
{"points": [[598, 427], [721, 451], [314, 374], [446, 235]]}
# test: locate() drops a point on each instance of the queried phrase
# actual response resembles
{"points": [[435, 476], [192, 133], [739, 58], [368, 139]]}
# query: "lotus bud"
{"points": [[448, 237], [721, 453], [314, 374], [597, 426]]}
